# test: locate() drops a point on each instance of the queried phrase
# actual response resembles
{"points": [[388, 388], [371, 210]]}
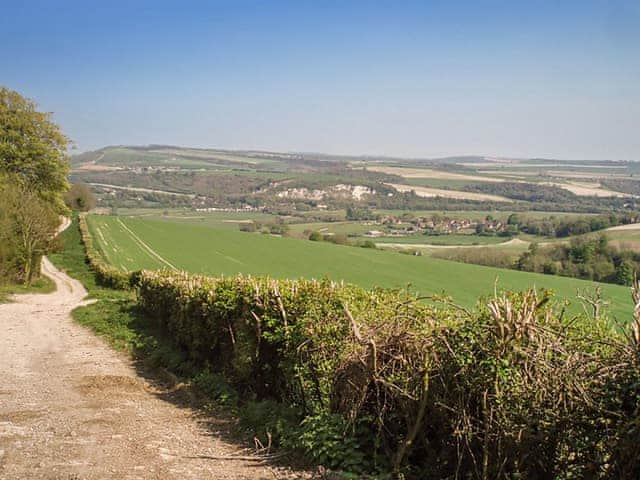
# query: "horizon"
{"points": [[348, 155], [415, 81]]}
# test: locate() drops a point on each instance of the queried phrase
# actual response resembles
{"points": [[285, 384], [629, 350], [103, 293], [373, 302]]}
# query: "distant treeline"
{"points": [[585, 258], [632, 187], [411, 201], [526, 192], [589, 259], [561, 227]]}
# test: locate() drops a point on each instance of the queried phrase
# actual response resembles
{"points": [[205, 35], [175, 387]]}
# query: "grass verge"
{"points": [[41, 285], [114, 315], [116, 318]]}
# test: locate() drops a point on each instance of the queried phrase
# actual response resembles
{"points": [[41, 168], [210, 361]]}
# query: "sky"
{"points": [[534, 78]]}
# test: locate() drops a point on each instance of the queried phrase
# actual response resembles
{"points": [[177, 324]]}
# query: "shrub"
{"points": [[315, 236], [379, 381], [369, 244], [512, 389]]}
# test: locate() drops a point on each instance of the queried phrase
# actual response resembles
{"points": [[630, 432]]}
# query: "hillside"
{"points": [[302, 181], [134, 243]]}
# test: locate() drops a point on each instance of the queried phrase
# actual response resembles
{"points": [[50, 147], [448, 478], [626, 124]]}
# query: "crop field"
{"points": [[449, 239], [435, 192], [227, 220], [352, 228], [432, 174], [134, 243]]}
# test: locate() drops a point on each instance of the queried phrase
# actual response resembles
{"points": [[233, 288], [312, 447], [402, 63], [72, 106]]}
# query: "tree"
{"points": [[624, 273], [32, 148], [28, 226], [80, 197], [514, 219], [8, 254]]}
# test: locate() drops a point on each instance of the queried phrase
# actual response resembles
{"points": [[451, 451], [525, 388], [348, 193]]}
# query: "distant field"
{"points": [[435, 192], [451, 239], [133, 243], [173, 157], [585, 189], [439, 183], [227, 220], [432, 174], [346, 228]]}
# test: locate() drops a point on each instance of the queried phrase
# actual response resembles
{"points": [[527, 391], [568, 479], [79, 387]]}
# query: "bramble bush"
{"points": [[510, 389]]}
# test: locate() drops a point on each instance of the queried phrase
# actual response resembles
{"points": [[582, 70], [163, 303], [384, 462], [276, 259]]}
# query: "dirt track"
{"points": [[72, 408]]}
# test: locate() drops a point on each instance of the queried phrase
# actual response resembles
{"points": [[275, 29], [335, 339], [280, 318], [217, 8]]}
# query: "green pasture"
{"points": [[446, 183], [133, 243], [451, 239], [346, 228], [227, 220]]}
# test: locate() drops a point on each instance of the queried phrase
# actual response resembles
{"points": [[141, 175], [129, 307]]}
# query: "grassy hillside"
{"points": [[167, 156], [133, 243]]}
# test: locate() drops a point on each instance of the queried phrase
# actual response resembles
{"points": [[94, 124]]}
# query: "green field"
{"points": [[449, 239], [133, 243], [186, 158], [346, 228], [226, 220]]}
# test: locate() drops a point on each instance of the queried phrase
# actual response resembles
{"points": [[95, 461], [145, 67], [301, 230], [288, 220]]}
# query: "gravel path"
{"points": [[71, 408]]}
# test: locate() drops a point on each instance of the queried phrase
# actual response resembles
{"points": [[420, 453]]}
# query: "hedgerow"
{"points": [[380, 381]]}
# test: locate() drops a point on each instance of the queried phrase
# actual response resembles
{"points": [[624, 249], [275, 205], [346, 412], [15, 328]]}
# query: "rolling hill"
{"points": [[134, 243]]}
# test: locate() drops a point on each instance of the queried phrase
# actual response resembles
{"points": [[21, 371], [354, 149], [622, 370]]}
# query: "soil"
{"points": [[72, 408]]}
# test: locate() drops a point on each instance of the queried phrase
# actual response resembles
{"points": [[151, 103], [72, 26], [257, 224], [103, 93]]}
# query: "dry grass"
{"points": [[587, 189], [437, 192], [430, 173]]}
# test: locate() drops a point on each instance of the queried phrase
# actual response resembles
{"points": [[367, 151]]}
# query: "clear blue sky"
{"points": [[426, 78]]}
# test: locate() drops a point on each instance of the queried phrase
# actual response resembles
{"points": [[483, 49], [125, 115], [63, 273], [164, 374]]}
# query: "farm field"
{"points": [[227, 220], [436, 192], [449, 239], [346, 228], [433, 174], [134, 243]]}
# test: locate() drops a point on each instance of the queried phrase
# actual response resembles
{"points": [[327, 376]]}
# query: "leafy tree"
{"points": [[356, 213], [28, 224], [514, 219], [32, 148], [624, 273], [80, 197]]}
